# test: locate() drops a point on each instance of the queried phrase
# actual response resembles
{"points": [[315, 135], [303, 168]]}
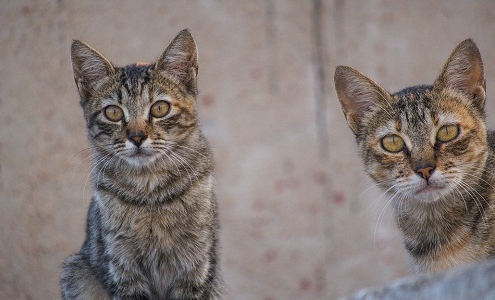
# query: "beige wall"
{"points": [[298, 221]]}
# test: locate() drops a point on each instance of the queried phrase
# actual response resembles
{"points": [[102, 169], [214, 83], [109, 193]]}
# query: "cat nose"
{"points": [[137, 138], [425, 171]]}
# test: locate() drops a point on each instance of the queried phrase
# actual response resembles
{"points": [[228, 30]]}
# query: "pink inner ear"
{"points": [[352, 121], [464, 71]]}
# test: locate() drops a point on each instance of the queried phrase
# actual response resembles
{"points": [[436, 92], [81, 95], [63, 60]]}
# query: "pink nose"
{"points": [[137, 138], [425, 172]]}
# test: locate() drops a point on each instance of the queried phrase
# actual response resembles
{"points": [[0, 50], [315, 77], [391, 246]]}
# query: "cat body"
{"points": [[152, 224], [429, 149]]}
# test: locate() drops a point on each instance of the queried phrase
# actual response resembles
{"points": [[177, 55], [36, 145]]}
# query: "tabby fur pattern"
{"points": [[152, 224], [428, 147]]}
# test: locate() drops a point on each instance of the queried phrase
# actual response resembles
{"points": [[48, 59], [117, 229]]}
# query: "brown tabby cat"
{"points": [[428, 147], [152, 222]]}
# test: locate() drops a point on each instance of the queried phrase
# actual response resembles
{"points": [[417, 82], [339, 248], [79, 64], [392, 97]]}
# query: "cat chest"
{"points": [[145, 245], [144, 230], [450, 255]]}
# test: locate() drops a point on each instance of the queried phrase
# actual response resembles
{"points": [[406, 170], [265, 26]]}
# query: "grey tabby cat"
{"points": [[152, 224], [428, 147]]}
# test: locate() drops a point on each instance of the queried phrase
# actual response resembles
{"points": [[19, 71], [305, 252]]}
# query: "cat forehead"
{"points": [[135, 74], [415, 102], [135, 80]]}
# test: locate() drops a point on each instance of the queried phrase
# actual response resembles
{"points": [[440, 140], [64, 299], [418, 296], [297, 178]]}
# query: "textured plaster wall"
{"points": [[298, 219]]}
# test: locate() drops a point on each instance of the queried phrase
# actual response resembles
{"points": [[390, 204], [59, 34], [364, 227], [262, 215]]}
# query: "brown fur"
{"points": [[442, 192]]}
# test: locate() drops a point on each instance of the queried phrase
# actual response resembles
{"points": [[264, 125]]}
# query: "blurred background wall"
{"points": [[300, 220]]}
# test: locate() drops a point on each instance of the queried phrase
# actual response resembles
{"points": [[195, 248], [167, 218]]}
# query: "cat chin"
{"points": [[430, 194], [140, 160]]}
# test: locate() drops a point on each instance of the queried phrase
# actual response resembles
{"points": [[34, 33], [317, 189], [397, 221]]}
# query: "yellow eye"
{"points": [[393, 143], [113, 113], [160, 109], [447, 133]]}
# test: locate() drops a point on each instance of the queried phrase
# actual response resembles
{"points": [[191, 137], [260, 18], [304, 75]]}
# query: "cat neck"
{"points": [[149, 184]]}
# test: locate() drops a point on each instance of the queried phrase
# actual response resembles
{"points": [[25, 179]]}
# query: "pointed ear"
{"points": [[180, 60], [463, 72], [358, 95], [89, 66]]}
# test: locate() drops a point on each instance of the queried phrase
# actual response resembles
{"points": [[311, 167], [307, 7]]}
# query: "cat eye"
{"points": [[113, 113], [393, 143], [160, 109], [447, 133]]}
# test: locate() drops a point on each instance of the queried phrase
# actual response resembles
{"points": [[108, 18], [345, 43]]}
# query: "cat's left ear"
{"points": [[180, 60], [463, 72]]}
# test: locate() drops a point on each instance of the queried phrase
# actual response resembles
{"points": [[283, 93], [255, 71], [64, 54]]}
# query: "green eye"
{"points": [[113, 113], [393, 143], [160, 109], [447, 133]]}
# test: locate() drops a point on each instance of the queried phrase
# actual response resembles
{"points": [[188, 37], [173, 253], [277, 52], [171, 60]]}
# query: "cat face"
{"points": [[139, 113], [425, 145], [425, 142]]}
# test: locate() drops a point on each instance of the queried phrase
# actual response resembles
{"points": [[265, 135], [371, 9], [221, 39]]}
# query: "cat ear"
{"points": [[180, 60], [89, 66], [358, 95], [463, 72]]}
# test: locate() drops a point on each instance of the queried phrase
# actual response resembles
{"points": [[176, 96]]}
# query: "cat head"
{"points": [[137, 113], [423, 142]]}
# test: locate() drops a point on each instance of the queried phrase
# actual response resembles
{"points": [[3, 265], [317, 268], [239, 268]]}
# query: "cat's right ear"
{"points": [[90, 68], [358, 95]]}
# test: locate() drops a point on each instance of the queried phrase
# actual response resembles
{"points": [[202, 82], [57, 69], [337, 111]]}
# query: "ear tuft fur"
{"points": [[358, 95], [180, 60], [463, 72], [90, 68]]}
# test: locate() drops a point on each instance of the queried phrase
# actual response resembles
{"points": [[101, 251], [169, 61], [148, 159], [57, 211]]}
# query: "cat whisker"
{"points": [[79, 152], [186, 165], [480, 178], [374, 184], [175, 158], [382, 213], [474, 189], [455, 188], [181, 160], [90, 155], [95, 165], [381, 195], [167, 157], [192, 150], [103, 169], [474, 195]]}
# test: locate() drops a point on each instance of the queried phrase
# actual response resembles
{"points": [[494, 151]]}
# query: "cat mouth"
{"points": [[429, 192], [429, 189], [139, 157], [140, 152]]}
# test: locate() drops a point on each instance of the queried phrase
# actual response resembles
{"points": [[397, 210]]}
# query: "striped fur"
{"points": [[152, 224], [443, 192]]}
